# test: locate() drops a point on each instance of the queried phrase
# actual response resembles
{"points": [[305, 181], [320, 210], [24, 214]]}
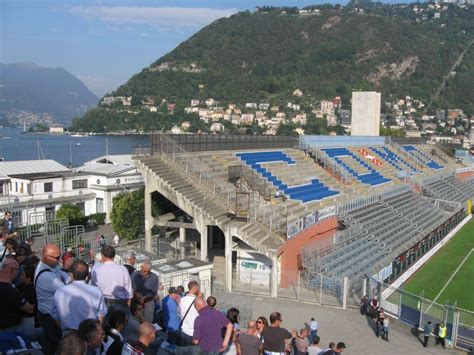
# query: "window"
{"points": [[48, 187], [99, 205], [79, 184], [82, 206], [17, 217], [50, 212]]}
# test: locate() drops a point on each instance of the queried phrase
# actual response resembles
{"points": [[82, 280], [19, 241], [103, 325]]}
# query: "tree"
{"points": [[128, 214], [72, 213]]}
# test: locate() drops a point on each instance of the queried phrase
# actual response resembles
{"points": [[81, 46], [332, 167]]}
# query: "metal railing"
{"points": [[330, 163], [416, 310], [196, 169], [403, 153], [300, 286], [192, 165], [369, 199]]}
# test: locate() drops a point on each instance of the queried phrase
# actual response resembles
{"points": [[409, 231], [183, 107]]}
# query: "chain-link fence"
{"points": [[172, 248], [254, 282], [417, 311], [302, 286]]}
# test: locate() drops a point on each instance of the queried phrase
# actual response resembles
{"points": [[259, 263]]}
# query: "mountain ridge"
{"points": [[265, 55], [30, 88]]}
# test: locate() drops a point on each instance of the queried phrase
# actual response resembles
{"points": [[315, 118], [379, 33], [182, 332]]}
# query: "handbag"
{"points": [[180, 341]]}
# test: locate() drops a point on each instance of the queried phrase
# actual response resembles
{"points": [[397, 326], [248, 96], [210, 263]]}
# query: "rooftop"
{"points": [[119, 159], [19, 167], [107, 169]]}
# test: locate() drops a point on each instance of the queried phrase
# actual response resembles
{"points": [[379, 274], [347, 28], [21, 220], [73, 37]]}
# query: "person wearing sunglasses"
{"points": [[276, 337], [261, 323], [48, 279]]}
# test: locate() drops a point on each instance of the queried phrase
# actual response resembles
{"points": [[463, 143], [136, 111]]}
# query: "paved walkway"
{"points": [[335, 325]]}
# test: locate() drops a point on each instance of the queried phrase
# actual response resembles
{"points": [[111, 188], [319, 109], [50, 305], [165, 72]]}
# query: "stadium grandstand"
{"points": [[352, 207], [320, 212]]}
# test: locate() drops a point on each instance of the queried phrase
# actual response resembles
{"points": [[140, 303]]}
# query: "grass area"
{"points": [[432, 276]]}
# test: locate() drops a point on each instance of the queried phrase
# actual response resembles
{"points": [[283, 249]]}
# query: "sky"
{"points": [[105, 42]]}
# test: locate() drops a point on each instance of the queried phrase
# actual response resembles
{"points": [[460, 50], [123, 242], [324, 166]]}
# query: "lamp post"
{"points": [[117, 183]]}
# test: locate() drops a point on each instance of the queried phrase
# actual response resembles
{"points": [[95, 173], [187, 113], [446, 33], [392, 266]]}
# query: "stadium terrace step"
{"points": [[429, 162], [371, 178], [450, 189], [252, 233], [276, 170], [394, 159], [394, 230]]}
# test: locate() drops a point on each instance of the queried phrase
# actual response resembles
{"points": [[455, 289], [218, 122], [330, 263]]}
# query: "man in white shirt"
{"points": [[113, 280], [313, 330], [48, 279], [78, 300], [189, 312]]}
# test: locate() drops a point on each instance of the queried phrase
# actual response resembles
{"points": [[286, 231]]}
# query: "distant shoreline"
{"points": [[90, 134]]}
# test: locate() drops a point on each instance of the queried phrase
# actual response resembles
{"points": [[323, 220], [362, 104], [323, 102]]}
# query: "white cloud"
{"points": [[158, 17]]}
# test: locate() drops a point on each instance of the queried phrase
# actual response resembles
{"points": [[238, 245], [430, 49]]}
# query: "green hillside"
{"points": [[265, 55]]}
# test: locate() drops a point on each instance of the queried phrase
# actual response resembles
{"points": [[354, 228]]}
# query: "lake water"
{"points": [[64, 148]]}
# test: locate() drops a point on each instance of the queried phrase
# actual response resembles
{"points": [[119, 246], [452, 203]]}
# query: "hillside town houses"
{"points": [[406, 113]]}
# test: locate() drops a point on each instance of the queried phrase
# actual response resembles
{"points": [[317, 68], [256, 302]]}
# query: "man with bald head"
{"points": [[48, 279], [13, 304], [147, 335], [249, 343], [145, 285], [208, 328]]}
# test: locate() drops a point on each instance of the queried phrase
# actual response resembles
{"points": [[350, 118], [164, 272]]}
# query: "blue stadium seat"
{"points": [[430, 163], [313, 191], [393, 159], [372, 178]]}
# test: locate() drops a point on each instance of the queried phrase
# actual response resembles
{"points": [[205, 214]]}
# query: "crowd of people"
{"points": [[381, 321], [71, 302]]}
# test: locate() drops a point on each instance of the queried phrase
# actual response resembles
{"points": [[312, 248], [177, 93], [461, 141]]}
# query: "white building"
{"points": [[217, 127], [365, 113], [176, 130], [36, 186], [327, 107], [56, 129]]}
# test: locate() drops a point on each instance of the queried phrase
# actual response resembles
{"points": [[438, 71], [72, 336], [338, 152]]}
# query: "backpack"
{"points": [[9, 341]]}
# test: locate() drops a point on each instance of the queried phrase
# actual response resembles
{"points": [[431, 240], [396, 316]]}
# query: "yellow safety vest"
{"points": [[442, 332]]}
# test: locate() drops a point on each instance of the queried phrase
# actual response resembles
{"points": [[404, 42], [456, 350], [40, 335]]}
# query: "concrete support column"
{"points": [[228, 261], [274, 277], [182, 241], [345, 292], [210, 231], [148, 216], [107, 205], [203, 232]]}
